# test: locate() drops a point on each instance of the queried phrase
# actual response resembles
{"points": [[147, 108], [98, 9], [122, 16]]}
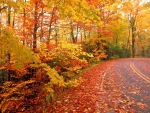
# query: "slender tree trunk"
{"points": [[8, 54], [42, 33], [81, 37], [72, 33], [116, 41], [133, 31], [56, 34], [148, 52], [128, 41], [133, 41], [35, 27], [50, 28], [77, 33], [13, 22], [143, 52], [9, 16], [89, 34], [84, 34], [24, 16]]}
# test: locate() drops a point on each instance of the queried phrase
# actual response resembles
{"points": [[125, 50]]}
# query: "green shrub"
{"points": [[115, 51]]}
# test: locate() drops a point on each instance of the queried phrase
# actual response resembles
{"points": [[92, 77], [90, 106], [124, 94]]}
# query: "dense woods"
{"points": [[45, 45]]}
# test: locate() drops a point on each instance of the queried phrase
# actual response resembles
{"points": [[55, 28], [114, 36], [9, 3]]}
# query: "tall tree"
{"points": [[132, 9]]}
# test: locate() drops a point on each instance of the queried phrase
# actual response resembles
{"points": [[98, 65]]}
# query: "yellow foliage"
{"points": [[97, 44], [19, 53], [55, 79], [74, 83]]}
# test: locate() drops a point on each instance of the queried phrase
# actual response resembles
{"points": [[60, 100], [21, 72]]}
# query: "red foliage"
{"points": [[74, 63], [57, 68], [88, 27], [105, 32], [93, 2], [39, 2], [51, 46]]}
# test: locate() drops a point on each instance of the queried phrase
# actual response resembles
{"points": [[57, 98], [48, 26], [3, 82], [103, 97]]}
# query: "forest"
{"points": [[45, 45]]}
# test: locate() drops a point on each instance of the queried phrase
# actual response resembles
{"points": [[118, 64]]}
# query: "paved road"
{"points": [[116, 86], [133, 77]]}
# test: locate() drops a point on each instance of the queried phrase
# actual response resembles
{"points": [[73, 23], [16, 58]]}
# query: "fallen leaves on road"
{"points": [[101, 92]]}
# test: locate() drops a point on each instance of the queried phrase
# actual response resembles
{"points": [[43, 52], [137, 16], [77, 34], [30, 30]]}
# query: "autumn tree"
{"points": [[134, 11]]}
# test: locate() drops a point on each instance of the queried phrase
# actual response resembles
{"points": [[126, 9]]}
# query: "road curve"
{"points": [[140, 74], [115, 86], [133, 78]]}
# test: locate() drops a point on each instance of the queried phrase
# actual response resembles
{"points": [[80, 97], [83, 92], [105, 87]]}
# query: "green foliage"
{"points": [[114, 51]]}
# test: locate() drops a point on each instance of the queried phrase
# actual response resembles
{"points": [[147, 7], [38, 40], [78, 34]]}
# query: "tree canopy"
{"points": [[45, 44]]}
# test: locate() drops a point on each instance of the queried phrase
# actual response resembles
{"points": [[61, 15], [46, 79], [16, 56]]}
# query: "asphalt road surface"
{"points": [[115, 86], [133, 80]]}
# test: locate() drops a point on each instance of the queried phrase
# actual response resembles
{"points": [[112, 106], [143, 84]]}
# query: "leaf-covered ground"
{"points": [[83, 97], [105, 88]]}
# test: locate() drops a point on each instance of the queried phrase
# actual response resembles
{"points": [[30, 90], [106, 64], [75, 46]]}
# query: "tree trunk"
{"points": [[35, 27], [77, 33], [8, 54], [50, 28], [128, 41], [72, 34], [24, 16], [9, 16], [133, 28], [42, 33], [133, 41], [84, 31]]}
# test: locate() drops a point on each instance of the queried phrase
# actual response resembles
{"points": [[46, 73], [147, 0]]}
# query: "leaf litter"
{"points": [[91, 96]]}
